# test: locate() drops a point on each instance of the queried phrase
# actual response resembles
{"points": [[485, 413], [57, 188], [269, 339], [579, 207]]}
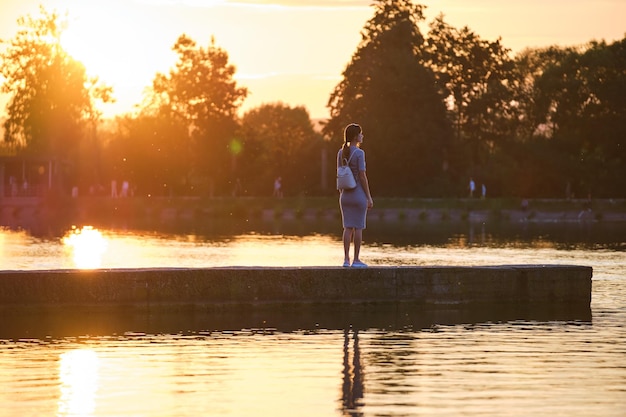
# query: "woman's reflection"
{"points": [[352, 376]]}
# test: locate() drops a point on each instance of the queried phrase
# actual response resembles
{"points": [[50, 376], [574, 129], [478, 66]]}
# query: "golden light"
{"points": [[87, 246], [118, 43], [78, 376]]}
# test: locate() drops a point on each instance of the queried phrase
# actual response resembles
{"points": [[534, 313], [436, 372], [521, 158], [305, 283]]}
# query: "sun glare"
{"points": [[119, 45], [87, 246]]}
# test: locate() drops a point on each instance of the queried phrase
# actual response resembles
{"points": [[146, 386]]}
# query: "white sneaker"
{"points": [[358, 264]]}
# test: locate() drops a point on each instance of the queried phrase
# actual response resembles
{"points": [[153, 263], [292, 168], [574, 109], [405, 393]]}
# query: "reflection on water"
{"points": [[352, 375], [365, 362], [517, 368], [288, 245], [87, 246], [112, 249], [78, 375]]}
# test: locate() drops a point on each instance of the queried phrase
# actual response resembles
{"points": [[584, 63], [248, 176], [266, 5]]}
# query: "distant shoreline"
{"points": [[100, 210]]}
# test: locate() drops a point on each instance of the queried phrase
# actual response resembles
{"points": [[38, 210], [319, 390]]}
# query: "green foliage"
{"points": [[200, 90], [574, 107], [387, 89], [435, 110], [51, 98], [548, 120], [51, 112], [473, 76], [279, 141], [151, 152]]}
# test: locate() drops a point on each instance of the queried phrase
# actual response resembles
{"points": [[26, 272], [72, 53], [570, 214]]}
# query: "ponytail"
{"points": [[350, 133], [345, 151]]}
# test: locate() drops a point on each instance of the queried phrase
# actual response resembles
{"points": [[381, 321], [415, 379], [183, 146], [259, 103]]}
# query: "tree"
{"points": [[141, 151], [279, 140], [51, 96], [605, 133], [388, 90], [581, 98], [530, 162], [201, 90], [529, 66], [474, 76]]}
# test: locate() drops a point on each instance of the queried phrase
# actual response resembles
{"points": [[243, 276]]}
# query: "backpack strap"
{"points": [[346, 162]]}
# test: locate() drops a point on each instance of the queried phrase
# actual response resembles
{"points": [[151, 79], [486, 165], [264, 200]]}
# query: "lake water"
{"points": [[445, 366]]}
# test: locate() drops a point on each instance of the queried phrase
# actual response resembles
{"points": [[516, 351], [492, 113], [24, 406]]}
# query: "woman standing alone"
{"points": [[354, 203]]}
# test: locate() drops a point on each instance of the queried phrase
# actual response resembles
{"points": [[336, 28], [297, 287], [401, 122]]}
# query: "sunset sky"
{"points": [[287, 50]]}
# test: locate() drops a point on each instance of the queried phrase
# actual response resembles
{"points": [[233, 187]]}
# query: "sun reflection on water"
{"points": [[87, 245], [79, 382]]}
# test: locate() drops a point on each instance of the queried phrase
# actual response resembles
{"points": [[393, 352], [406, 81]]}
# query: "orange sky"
{"points": [[287, 50]]}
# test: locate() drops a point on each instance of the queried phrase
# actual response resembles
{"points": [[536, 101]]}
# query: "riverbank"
{"points": [[19, 212]]}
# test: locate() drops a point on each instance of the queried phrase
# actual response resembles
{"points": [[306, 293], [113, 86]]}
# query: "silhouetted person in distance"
{"points": [[125, 188], [114, 188], [354, 203], [278, 187]]}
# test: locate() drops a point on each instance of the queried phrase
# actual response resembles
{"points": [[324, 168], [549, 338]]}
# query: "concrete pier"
{"points": [[61, 303], [210, 287]]}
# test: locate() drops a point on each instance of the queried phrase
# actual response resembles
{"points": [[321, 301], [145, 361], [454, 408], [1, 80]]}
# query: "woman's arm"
{"points": [[366, 187]]}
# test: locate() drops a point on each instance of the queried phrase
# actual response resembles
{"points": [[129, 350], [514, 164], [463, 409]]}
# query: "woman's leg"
{"points": [[358, 237], [347, 238]]}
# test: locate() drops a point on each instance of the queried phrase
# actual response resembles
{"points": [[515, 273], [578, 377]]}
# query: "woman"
{"points": [[354, 203]]}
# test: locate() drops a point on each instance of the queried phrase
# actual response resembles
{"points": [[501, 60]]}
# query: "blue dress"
{"points": [[353, 203]]}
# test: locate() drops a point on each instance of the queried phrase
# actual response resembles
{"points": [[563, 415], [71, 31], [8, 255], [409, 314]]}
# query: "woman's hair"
{"points": [[350, 133]]}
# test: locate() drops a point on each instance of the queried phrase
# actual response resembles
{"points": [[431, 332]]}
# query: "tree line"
{"points": [[437, 109]]}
